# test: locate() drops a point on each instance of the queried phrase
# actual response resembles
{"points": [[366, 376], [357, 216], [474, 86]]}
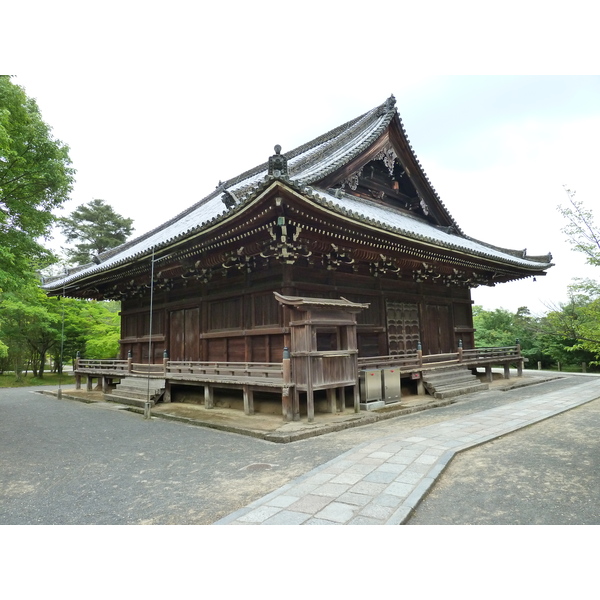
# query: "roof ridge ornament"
{"points": [[278, 164], [388, 106], [229, 199]]}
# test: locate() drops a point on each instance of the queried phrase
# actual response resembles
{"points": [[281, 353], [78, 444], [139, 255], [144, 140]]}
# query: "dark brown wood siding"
{"points": [[437, 329], [184, 339]]}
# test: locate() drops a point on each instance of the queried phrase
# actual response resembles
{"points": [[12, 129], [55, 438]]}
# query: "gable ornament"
{"points": [[278, 166]]}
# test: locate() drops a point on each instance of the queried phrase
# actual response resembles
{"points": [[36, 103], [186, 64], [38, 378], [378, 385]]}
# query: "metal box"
{"points": [[370, 385], [391, 385]]}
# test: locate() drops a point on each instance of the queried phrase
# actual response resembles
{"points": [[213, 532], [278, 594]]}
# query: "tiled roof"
{"points": [[307, 164], [400, 222]]}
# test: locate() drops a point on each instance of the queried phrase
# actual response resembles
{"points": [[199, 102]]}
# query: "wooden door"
{"points": [[184, 338], [402, 327], [437, 330]]}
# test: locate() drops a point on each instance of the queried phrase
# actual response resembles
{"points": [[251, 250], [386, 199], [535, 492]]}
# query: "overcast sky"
{"points": [[160, 101]]}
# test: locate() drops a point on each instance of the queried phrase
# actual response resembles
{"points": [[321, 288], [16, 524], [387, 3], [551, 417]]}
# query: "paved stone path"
{"points": [[381, 482]]}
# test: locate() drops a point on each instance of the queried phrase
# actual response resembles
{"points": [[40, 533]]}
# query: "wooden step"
{"points": [[451, 382], [135, 391]]}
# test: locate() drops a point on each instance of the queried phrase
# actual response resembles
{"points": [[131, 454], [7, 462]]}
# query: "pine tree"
{"points": [[95, 228]]}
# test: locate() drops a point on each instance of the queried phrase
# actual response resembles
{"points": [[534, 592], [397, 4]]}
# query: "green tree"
{"points": [[35, 178], [94, 227], [574, 327], [578, 321], [30, 327], [34, 328], [493, 328], [102, 342], [500, 327], [581, 231], [90, 327]]}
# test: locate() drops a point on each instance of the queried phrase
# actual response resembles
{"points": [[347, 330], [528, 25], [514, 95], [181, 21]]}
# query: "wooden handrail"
{"points": [[407, 363]]}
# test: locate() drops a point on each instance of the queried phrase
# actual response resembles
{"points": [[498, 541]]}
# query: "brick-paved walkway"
{"points": [[381, 482]]}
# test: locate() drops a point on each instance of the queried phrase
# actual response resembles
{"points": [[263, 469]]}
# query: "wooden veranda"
{"points": [[279, 378]]}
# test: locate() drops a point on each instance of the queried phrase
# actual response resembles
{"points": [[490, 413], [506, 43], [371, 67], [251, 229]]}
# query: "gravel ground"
{"points": [[546, 474], [65, 462]]}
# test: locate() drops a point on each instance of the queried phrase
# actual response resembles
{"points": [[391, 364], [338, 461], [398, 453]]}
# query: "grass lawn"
{"points": [[9, 380]]}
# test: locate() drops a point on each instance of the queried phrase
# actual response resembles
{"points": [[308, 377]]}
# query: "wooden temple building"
{"points": [[340, 252]]}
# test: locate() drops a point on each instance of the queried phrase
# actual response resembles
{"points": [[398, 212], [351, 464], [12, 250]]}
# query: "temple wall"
{"points": [[237, 319]]}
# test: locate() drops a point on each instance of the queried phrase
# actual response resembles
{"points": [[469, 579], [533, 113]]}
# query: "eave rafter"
{"points": [[288, 225]]}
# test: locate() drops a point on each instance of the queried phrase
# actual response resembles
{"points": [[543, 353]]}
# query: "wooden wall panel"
{"points": [[192, 334], [176, 338], [236, 349], [265, 310], [438, 335], [217, 349], [368, 344], [226, 314], [259, 348], [275, 348]]}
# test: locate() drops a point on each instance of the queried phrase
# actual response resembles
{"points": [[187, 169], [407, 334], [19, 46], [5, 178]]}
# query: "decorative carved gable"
{"points": [[381, 177]]}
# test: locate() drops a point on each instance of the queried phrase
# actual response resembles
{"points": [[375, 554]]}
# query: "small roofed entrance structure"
{"points": [[324, 350]]}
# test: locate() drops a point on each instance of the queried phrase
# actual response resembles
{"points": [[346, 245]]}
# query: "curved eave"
{"points": [[164, 248], [244, 187], [327, 203], [358, 139], [302, 301]]}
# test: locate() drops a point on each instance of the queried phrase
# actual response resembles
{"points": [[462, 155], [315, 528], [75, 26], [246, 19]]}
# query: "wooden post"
{"points": [[89, 383], [342, 398], [310, 402], [76, 369], [167, 394], [286, 396], [583, 367], [296, 403], [420, 383], [208, 396], [506, 371], [520, 368], [331, 395], [287, 403], [104, 384], [248, 400], [311, 335], [488, 373]]}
